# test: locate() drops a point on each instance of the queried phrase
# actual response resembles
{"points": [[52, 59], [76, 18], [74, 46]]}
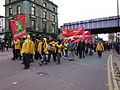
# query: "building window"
{"points": [[10, 11], [18, 9], [33, 10], [44, 4], [33, 0], [44, 14], [44, 27], [33, 24], [10, 1], [53, 29], [53, 9], [53, 18]]}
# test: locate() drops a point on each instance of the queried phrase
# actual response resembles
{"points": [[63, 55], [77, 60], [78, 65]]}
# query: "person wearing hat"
{"points": [[39, 49], [44, 52], [26, 50]]}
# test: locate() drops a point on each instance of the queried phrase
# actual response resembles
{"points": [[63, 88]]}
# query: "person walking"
{"points": [[44, 52], [99, 49], [72, 47], [65, 48], [39, 50], [52, 50], [26, 52], [58, 51], [17, 49]]}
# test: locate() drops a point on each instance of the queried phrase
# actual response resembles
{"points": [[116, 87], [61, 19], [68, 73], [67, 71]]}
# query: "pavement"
{"points": [[116, 59], [89, 73]]}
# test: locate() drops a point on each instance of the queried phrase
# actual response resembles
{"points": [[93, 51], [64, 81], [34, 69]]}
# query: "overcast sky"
{"points": [[78, 10]]}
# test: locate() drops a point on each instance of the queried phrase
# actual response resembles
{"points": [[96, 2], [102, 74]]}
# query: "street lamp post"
{"points": [[118, 19]]}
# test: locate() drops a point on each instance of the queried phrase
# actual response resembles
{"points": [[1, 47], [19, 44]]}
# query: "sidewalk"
{"points": [[116, 59]]}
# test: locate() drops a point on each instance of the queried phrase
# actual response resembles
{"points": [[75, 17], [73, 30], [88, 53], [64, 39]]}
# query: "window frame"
{"points": [[10, 11], [53, 29], [33, 26], [44, 14], [18, 9], [53, 18], [33, 9], [44, 4]]}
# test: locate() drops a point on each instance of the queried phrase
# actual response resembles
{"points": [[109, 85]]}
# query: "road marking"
{"points": [[109, 74]]}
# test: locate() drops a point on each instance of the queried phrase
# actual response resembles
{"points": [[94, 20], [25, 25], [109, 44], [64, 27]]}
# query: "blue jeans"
{"points": [[66, 54], [44, 58]]}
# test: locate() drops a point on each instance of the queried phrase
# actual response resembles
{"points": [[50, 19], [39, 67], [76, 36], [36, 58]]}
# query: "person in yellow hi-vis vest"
{"points": [[39, 49], [99, 49], [26, 50], [44, 52], [17, 49], [58, 50], [52, 50]]}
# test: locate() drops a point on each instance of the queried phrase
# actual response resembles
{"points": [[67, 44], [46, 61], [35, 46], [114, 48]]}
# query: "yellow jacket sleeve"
{"points": [[32, 47], [17, 44], [24, 47], [59, 48], [45, 48], [39, 47]]}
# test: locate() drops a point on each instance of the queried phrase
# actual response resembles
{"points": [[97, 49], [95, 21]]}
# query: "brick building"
{"points": [[41, 16]]}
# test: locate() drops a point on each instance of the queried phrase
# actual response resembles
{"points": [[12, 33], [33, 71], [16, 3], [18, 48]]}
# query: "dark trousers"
{"points": [[14, 54], [53, 54], [26, 60], [58, 57], [31, 58], [81, 53], [17, 54], [99, 53]]}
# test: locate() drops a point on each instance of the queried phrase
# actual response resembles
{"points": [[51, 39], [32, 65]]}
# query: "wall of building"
{"points": [[38, 17]]}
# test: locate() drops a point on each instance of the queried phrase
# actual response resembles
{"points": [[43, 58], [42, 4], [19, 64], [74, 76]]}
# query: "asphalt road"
{"points": [[89, 73]]}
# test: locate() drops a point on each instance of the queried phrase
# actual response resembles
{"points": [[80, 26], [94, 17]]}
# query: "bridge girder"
{"points": [[104, 30]]}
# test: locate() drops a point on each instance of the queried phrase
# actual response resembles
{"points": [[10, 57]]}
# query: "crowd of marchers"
{"points": [[43, 49]]}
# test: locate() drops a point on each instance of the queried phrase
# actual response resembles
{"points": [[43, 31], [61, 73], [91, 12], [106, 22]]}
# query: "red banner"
{"points": [[71, 32], [85, 36], [18, 26]]}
